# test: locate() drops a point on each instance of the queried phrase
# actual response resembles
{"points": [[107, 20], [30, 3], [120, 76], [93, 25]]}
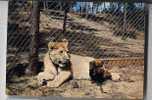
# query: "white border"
{"points": [[3, 45], [149, 78]]}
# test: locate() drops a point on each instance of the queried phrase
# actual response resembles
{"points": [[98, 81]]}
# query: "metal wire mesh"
{"points": [[96, 29], [19, 23]]}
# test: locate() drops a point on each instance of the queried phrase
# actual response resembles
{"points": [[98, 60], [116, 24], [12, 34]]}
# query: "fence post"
{"points": [[33, 59], [124, 21], [124, 36]]}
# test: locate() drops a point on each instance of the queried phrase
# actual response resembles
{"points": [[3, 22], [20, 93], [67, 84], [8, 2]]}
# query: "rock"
{"points": [[115, 76]]}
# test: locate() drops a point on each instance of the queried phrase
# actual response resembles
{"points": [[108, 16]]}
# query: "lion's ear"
{"points": [[66, 42], [50, 45]]}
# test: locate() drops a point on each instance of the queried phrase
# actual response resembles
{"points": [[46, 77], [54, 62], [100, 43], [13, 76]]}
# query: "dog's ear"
{"points": [[66, 42], [99, 63], [51, 45]]}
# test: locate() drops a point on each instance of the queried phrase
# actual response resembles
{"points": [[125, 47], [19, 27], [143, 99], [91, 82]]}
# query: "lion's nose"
{"points": [[60, 62]]}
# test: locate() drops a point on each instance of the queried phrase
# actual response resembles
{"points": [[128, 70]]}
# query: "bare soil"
{"points": [[130, 86]]}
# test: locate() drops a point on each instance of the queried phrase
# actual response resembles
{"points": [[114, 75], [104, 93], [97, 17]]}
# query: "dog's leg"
{"points": [[59, 79]]}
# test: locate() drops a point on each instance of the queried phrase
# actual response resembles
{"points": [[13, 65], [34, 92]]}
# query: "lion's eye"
{"points": [[61, 51], [67, 51]]}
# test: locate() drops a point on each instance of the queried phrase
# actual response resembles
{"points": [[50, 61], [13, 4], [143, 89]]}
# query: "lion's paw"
{"points": [[43, 77]]}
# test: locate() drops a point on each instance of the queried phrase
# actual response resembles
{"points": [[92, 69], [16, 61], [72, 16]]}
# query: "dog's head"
{"points": [[58, 52]]}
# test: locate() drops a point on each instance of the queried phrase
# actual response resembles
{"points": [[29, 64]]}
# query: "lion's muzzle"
{"points": [[64, 63]]}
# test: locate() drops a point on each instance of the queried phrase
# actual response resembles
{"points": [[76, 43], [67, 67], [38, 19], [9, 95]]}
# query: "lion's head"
{"points": [[58, 52]]}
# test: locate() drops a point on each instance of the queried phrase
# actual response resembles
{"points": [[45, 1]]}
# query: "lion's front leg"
{"points": [[45, 77], [59, 79]]}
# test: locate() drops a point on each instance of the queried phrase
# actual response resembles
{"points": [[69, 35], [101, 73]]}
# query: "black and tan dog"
{"points": [[97, 71]]}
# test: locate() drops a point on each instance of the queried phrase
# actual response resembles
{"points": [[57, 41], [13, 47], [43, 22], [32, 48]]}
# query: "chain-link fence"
{"points": [[93, 28], [111, 31], [19, 23]]}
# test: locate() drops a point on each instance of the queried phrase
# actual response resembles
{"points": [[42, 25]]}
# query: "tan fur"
{"points": [[55, 45], [55, 78], [80, 66]]}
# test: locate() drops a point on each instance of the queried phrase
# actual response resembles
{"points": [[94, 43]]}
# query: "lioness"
{"points": [[57, 65]]}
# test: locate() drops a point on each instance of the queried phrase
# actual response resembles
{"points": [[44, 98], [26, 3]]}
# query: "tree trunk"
{"points": [[34, 39], [65, 17]]}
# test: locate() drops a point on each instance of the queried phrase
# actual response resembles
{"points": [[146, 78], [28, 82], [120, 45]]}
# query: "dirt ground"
{"points": [[130, 86]]}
